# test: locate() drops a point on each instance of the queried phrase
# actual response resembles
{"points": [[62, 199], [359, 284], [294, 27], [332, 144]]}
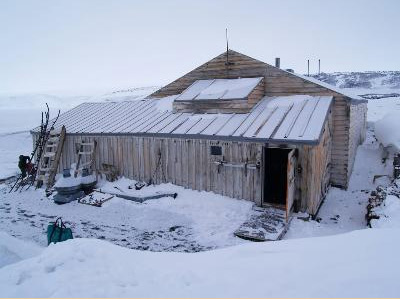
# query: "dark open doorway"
{"points": [[275, 175]]}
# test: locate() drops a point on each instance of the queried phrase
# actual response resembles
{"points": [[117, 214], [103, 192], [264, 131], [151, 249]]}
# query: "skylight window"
{"points": [[220, 89]]}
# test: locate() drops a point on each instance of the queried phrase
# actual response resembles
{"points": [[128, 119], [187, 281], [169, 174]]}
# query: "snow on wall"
{"points": [[357, 131]]}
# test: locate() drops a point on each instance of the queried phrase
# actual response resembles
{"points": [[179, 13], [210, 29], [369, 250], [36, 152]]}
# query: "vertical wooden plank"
{"points": [[146, 154], [208, 165], [135, 147], [171, 161], [178, 164], [247, 178], [236, 171], [190, 163], [257, 180], [121, 164], [198, 166]]}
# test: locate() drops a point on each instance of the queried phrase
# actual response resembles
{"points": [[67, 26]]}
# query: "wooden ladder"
{"points": [[48, 166], [86, 156]]}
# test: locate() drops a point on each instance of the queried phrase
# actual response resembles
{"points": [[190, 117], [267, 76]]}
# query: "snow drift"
{"points": [[13, 250], [360, 263], [387, 130]]}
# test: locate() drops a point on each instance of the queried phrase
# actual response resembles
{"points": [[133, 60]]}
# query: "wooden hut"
{"points": [[237, 127]]}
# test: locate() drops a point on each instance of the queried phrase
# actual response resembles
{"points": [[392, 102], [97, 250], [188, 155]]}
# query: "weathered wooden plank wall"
{"points": [[189, 163], [185, 162], [318, 172]]}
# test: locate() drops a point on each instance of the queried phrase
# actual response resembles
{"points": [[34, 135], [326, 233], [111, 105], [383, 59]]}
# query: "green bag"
{"points": [[57, 232]]}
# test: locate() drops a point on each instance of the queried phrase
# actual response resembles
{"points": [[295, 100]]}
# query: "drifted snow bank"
{"points": [[387, 130], [357, 264], [388, 212], [384, 206], [13, 250]]}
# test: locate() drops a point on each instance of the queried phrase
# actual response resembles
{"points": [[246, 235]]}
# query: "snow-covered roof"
{"points": [[350, 95], [289, 119], [219, 89]]}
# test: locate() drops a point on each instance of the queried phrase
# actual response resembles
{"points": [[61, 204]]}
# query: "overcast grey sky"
{"points": [[83, 45]]}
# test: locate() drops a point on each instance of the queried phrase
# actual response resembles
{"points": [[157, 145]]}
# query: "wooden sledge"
{"points": [[96, 199], [139, 199]]}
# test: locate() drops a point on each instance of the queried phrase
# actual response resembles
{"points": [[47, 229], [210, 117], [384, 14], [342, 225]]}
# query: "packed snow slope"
{"points": [[357, 264], [13, 250]]}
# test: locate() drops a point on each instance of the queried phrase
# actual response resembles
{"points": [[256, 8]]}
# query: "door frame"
{"points": [[293, 151]]}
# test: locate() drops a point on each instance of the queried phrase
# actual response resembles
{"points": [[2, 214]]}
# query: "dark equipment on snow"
{"points": [[88, 181], [396, 166], [138, 185], [24, 164], [58, 232]]}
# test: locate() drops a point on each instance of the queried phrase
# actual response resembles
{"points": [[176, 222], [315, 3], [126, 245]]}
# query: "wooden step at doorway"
{"points": [[264, 224]]}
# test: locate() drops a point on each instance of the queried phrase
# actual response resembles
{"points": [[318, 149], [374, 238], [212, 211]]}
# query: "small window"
{"points": [[216, 150]]}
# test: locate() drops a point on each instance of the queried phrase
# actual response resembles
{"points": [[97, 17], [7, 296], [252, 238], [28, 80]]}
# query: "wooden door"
{"points": [[291, 187]]}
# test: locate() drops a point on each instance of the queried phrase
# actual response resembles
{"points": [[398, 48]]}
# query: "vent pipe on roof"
{"points": [[319, 66], [277, 62], [227, 49]]}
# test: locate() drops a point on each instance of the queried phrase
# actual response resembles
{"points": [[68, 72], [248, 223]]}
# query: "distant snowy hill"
{"points": [[60, 101], [370, 85]]}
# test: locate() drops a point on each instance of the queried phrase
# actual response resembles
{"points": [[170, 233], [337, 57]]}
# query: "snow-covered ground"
{"points": [[362, 263], [13, 250], [344, 210], [194, 221], [334, 255]]}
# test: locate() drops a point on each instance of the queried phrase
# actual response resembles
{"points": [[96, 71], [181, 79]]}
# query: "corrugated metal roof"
{"points": [[288, 119]]}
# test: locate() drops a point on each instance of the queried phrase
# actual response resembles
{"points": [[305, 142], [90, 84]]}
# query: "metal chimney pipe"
{"points": [[308, 67], [277, 62], [319, 66]]}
